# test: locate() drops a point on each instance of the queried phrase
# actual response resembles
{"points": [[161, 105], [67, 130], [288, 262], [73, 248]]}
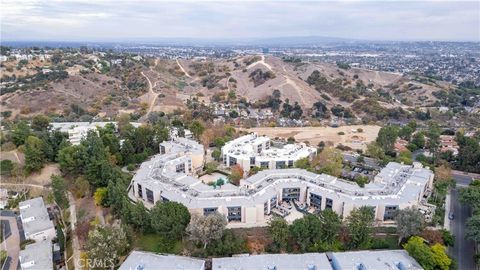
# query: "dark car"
{"points": [[451, 216]]}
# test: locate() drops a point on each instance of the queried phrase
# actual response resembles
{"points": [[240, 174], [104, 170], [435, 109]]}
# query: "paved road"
{"points": [[463, 251], [75, 242], [464, 179]]}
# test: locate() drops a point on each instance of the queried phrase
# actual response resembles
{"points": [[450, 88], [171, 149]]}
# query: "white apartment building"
{"points": [[251, 203], [36, 221], [260, 151], [79, 130]]}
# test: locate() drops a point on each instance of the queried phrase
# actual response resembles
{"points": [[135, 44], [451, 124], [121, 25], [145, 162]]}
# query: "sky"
{"points": [[131, 20]]}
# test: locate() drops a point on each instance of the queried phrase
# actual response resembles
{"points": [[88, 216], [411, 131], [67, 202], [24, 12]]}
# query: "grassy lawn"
{"points": [[156, 243]]}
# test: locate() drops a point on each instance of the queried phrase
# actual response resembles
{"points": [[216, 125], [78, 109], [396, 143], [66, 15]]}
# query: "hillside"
{"points": [[97, 89]]}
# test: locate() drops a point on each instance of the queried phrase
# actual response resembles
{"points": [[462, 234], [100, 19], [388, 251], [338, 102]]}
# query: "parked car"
{"points": [[451, 216]]}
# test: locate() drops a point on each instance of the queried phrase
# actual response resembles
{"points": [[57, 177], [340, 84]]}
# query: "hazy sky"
{"points": [[103, 20]]}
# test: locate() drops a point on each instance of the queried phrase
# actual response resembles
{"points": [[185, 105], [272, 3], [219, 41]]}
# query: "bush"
{"points": [[341, 133], [131, 167]]}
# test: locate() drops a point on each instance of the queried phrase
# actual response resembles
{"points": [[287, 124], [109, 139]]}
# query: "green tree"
{"points": [[6, 167], [216, 154], [40, 123], [375, 151], [419, 140], [228, 245], [100, 196], [170, 219], [386, 138], [59, 188], [303, 163], [410, 222], [330, 225], [73, 159], [473, 228], [433, 134], [360, 227], [306, 231], [278, 229], [140, 217], [20, 133], [34, 156], [329, 161], [106, 243], [205, 229], [196, 128], [417, 248], [440, 257], [405, 157]]}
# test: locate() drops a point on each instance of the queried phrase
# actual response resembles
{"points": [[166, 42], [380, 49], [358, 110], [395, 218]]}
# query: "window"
{"points": [[208, 211], [265, 208], [264, 164], [252, 160], [233, 161], [140, 191], [149, 195], [180, 168], [259, 148], [280, 164], [316, 200], [162, 149], [329, 203], [290, 163], [390, 211], [234, 213], [291, 194]]}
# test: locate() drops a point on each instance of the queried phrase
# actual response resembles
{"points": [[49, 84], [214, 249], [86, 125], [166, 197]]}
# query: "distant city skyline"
{"points": [[107, 20]]}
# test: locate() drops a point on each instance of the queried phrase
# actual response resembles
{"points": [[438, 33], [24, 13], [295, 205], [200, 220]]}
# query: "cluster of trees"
{"points": [[291, 111], [471, 196], [324, 232], [429, 257], [328, 161], [259, 77], [38, 143]]}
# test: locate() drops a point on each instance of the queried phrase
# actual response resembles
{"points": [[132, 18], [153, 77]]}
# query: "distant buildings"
{"points": [[79, 130], [357, 260], [38, 256], [170, 176], [36, 220], [260, 151], [448, 143]]}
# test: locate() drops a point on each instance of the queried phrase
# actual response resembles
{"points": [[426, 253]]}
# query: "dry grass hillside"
{"points": [[165, 85]]}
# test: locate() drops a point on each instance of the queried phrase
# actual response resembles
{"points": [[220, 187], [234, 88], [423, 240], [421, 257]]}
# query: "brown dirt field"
{"points": [[314, 135], [257, 238], [14, 156], [43, 177]]}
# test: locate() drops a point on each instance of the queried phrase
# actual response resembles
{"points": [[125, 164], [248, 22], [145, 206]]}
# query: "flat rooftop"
{"points": [[37, 256], [34, 216], [381, 259], [140, 260], [307, 261]]}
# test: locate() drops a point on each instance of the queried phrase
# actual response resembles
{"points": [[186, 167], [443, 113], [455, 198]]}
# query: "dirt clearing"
{"points": [[351, 137]]}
